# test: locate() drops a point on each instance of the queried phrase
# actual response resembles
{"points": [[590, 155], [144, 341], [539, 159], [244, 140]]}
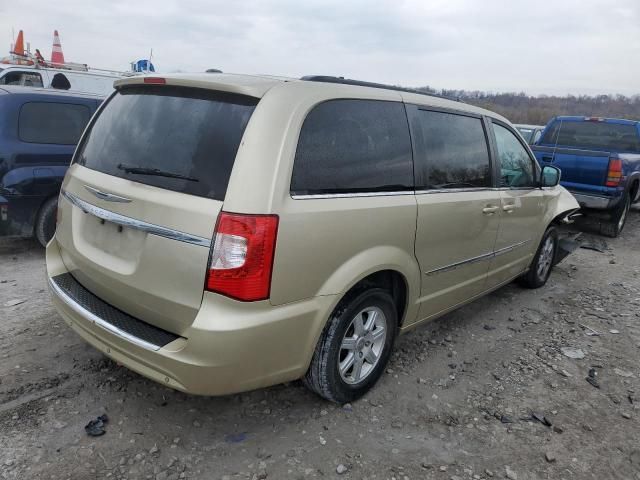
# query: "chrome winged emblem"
{"points": [[108, 197]]}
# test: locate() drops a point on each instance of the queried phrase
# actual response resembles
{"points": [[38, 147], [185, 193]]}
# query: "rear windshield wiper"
{"points": [[153, 171]]}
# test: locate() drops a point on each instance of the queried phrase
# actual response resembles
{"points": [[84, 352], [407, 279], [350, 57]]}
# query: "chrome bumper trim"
{"points": [[592, 201]]}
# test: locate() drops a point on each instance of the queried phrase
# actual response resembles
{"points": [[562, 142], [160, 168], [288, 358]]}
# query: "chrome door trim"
{"points": [[136, 224], [453, 266], [75, 306], [503, 250], [108, 197], [453, 190], [479, 258], [296, 196]]}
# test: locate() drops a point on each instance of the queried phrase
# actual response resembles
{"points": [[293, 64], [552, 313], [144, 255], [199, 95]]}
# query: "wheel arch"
{"points": [[390, 280], [634, 188], [400, 274]]}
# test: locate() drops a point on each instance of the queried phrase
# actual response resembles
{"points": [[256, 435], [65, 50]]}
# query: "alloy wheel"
{"points": [[362, 345], [546, 257]]}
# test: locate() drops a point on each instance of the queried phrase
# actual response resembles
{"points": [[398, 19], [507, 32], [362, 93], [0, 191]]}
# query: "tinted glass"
{"points": [[193, 134], [526, 133], [451, 152], [593, 135], [59, 123], [348, 146], [516, 166], [26, 79]]}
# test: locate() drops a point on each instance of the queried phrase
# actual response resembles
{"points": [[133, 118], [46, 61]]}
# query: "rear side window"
{"points": [[175, 138], [451, 151], [351, 146], [57, 123], [26, 79], [593, 135]]}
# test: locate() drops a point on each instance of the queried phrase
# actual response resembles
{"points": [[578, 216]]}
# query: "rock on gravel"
{"points": [[574, 353]]}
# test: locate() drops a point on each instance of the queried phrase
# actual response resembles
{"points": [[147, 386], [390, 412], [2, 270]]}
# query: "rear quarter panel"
{"points": [[326, 245]]}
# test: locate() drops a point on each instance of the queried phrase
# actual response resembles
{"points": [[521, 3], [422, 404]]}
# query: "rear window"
{"points": [[352, 146], [54, 123], [187, 137], [593, 135]]}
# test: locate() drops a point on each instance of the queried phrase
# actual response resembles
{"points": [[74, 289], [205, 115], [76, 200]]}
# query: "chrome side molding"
{"points": [[136, 224], [502, 251], [479, 258], [453, 266]]}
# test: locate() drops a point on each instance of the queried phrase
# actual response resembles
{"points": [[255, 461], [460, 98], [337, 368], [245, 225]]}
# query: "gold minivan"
{"points": [[219, 233]]}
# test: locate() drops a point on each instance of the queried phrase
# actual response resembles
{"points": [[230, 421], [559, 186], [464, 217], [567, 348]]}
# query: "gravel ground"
{"points": [[486, 391]]}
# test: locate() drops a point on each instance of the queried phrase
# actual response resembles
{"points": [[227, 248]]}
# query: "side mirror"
{"points": [[550, 176]]}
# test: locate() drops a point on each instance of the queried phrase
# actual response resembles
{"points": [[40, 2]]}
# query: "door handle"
{"points": [[490, 210], [509, 208], [547, 158]]}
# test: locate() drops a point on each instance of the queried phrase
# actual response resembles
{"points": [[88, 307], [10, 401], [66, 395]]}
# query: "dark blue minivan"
{"points": [[39, 130]]}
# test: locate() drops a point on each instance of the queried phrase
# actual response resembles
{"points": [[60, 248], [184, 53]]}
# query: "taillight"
{"points": [[614, 175], [242, 257]]}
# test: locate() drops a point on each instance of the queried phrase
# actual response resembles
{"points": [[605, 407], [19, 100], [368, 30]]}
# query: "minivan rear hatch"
{"points": [[140, 201]]}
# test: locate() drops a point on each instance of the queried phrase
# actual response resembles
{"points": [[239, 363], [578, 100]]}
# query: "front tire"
{"points": [[354, 347], [45, 226], [543, 261]]}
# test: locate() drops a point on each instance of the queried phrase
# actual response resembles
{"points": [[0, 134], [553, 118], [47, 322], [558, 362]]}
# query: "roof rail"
{"points": [[360, 83]]}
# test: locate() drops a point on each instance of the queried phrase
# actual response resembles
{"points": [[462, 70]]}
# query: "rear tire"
{"points": [[350, 356], [614, 227], [45, 226], [543, 262]]}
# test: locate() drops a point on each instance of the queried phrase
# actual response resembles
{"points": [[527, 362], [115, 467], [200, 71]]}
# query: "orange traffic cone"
{"points": [[18, 48], [56, 50]]}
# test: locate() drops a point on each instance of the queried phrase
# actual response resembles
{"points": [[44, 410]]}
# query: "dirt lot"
{"points": [[456, 402]]}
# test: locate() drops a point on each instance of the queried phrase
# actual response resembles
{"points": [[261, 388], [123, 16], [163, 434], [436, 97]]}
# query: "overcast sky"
{"points": [[543, 46]]}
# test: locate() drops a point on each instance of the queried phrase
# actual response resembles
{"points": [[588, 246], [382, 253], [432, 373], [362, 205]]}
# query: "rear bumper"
{"points": [[230, 347], [595, 201]]}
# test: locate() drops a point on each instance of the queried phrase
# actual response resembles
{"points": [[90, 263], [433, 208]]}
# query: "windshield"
{"points": [[596, 135], [175, 138]]}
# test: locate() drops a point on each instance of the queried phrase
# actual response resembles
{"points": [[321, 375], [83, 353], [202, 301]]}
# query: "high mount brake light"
{"points": [[155, 80], [242, 256]]}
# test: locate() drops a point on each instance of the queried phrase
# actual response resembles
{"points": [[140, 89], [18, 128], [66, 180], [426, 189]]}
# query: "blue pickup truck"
{"points": [[39, 130], [600, 163]]}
